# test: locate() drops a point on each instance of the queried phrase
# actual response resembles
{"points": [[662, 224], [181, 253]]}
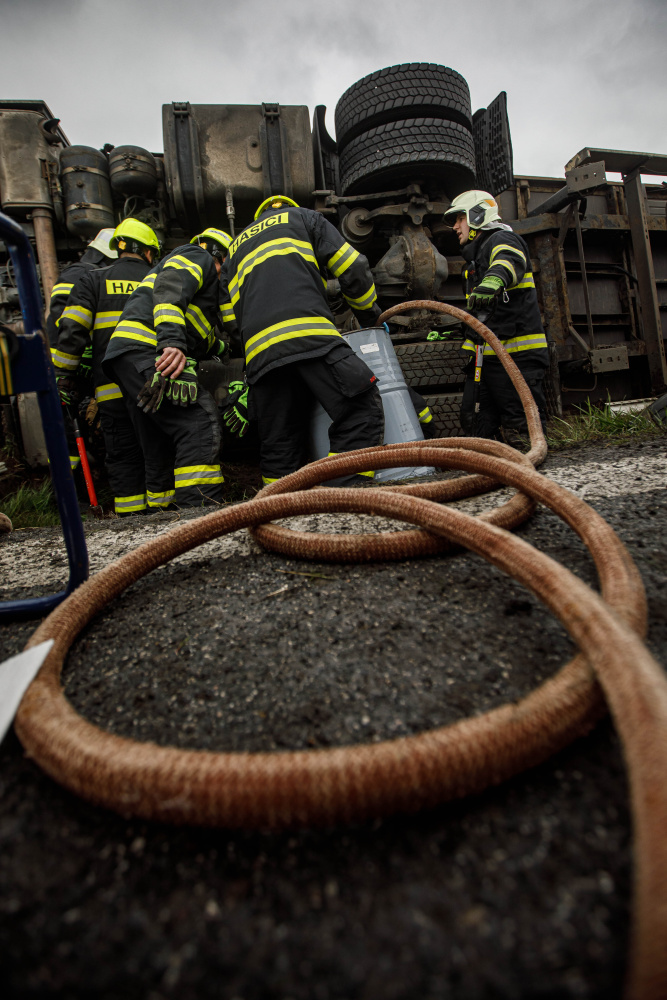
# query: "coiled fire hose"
{"points": [[342, 784]]}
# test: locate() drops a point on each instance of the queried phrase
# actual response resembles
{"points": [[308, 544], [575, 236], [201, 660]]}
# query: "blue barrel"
{"points": [[401, 423]]}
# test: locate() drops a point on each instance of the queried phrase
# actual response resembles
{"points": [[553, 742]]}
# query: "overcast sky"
{"points": [[577, 72]]}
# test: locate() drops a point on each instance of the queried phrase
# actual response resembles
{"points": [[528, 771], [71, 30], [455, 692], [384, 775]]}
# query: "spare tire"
{"points": [[406, 151], [411, 90]]}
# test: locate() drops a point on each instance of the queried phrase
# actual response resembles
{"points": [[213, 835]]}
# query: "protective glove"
{"points": [[235, 414], [483, 296], [69, 389], [439, 334], [86, 363], [183, 390], [151, 395]]}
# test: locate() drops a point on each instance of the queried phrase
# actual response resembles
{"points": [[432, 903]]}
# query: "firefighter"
{"points": [[93, 309], [499, 284], [97, 254], [273, 291], [166, 328]]}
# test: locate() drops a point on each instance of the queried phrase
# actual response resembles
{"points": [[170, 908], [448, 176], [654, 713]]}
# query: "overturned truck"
{"points": [[406, 143]]}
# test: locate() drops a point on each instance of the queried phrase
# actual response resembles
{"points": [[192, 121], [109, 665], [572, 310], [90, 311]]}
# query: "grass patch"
{"points": [[31, 506], [600, 423]]}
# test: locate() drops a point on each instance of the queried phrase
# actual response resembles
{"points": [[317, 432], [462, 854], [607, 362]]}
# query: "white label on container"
{"points": [[369, 348]]}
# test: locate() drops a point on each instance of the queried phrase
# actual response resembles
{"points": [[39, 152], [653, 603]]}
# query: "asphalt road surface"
{"points": [[520, 892]]}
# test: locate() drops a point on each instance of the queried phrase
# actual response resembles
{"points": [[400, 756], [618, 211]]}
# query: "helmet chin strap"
{"points": [[472, 234]]}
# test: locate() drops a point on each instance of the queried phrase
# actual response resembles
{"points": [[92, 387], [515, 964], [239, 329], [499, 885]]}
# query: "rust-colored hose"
{"points": [[404, 544], [327, 786]]}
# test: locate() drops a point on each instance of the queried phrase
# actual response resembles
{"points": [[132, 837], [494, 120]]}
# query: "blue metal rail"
{"points": [[30, 370]]}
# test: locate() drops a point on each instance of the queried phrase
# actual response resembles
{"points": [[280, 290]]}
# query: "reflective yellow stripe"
{"points": [[62, 360], [74, 462], [528, 282], [227, 313], [105, 320], [364, 301], [103, 393], [198, 475], [247, 234], [161, 499], [510, 268], [165, 312], [506, 246], [79, 314], [198, 320], [132, 330], [425, 417], [267, 479], [148, 280], [275, 248], [529, 342], [183, 264], [128, 505], [62, 288], [6, 384], [289, 329], [342, 259]]}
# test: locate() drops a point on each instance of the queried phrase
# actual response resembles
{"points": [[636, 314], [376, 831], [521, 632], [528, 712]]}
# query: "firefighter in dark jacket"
{"points": [[273, 291], [499, 284], [168, 326], [98, 253], [93, 309]]}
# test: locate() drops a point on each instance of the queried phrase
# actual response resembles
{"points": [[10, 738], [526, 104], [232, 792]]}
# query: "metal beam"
{"points": [[648, 293]]}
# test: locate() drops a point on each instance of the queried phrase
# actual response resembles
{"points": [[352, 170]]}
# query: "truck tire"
{"points": [[445, 408], [432, 365], [403, 151], [411, 90]]}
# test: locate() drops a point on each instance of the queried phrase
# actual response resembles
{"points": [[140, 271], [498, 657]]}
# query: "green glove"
{"points": [[439, 334], [152, 393], [69, 389], [483, 296], [183, 390], [235, 412], [86, 363]]}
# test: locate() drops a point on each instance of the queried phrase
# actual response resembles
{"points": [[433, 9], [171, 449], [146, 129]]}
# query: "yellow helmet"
{"points": [[480, 208], [132, 231], [214, 240], [275, 201]]}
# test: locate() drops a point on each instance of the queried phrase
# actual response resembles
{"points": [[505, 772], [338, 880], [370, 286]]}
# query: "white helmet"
{"points": [[101, 243], [480, 208]]}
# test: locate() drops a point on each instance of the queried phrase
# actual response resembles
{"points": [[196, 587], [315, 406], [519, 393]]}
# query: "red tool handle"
{"points": [[81, 448]]}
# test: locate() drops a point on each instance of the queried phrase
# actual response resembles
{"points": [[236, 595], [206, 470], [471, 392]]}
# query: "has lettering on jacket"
{"points": [[120, 287], [247, 234]]}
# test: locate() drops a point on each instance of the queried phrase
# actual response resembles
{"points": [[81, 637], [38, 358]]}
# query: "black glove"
{"points": [[69, 389], [152, 394], [483, 296], [235, 409]]}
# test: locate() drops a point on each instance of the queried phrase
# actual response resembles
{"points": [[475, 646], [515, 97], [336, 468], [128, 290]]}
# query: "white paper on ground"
{"points": [[16, 674]]}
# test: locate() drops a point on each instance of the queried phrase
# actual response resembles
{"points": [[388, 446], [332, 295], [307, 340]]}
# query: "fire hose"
{"points": [[410, 773]]}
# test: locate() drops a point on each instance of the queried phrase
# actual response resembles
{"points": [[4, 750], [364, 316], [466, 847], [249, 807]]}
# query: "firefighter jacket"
{"points": [[516, 317], [273, 288], [91, 260], [176, 305], [93, 309]]}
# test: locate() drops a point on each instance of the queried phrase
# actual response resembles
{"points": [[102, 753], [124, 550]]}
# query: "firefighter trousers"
{"points": [[499, 403], [180, 444], [124, 458], [283, 401]]}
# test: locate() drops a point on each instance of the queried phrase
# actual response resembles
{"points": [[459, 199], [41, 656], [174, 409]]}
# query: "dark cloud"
{"points": [[577, 72]]}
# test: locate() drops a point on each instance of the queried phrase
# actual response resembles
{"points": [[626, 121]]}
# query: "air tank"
{"points": [[84, 173], [133, 171]]}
